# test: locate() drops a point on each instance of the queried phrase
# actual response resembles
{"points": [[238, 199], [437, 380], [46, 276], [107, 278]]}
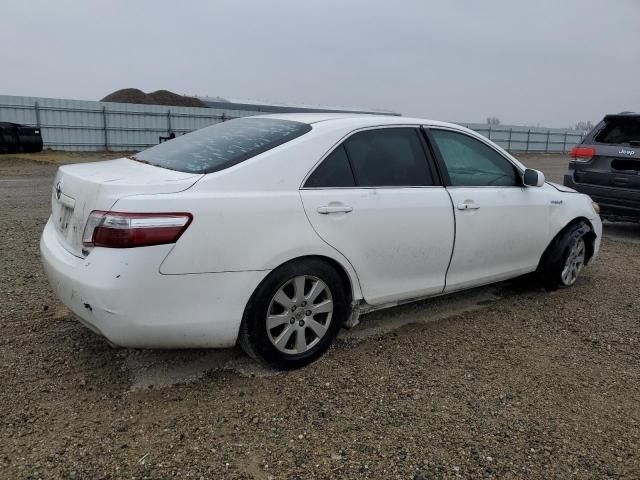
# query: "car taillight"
{"points": [[582, 154], [127, 230]]}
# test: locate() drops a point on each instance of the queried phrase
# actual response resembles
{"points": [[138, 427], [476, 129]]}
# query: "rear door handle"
{"points": [[325, 209], [468, 205]]}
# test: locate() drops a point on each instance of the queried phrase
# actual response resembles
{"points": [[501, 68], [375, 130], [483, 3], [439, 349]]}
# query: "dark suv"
{"points": [[606, 166]]}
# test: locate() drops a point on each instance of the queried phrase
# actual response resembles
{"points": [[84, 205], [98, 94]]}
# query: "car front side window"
{"points": [[471, 163]]}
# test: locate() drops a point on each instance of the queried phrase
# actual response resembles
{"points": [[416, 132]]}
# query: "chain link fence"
{"points": [[529, 139]]}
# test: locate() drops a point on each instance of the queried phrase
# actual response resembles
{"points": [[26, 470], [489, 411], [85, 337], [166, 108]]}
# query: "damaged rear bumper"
{"points": [[120, 294]]}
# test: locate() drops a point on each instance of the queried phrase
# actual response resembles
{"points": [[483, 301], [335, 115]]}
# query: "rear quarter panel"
{"points": [[249, 217]]}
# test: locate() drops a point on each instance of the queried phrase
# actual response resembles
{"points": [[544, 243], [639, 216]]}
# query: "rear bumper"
{"points": [[617, 203], [120, 294]]}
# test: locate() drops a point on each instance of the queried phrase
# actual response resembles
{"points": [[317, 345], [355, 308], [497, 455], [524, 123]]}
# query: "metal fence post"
{"points": [[104, 123], [223, 117], [489, 132], [169, 120], [37, 110], [564, 144], [528, 137], [509, 140], [546, 145]]}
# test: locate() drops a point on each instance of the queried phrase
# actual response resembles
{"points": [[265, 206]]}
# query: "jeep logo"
{"points": [[626, 152]]}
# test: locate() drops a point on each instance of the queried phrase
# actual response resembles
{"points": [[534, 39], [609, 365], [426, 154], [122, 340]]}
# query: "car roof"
{"points": [[351, 121], [621, 115], [358, 120]]}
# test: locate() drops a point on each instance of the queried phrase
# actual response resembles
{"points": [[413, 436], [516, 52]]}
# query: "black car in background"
{"points": [[606, 166], [16, 138]]}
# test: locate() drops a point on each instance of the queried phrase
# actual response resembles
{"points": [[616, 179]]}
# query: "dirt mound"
{"points": [[165, 97], [159, 97]]}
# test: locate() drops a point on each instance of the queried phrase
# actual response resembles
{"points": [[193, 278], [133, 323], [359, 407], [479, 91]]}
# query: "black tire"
{"points": [[254, 337], [555, 257]]}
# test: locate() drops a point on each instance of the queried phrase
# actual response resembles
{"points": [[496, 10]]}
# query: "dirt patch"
{"points": [[528, 385]]}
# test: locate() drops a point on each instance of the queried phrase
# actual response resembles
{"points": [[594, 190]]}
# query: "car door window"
{"points": [[387, 157], [471, 163], [384, 157], [333, 172]]}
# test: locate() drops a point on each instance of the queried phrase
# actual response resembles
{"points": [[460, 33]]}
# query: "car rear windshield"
{"points": [[620, 130], [222, 145]]}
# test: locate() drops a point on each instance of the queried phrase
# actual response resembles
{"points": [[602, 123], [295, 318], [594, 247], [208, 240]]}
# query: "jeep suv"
{"points": [[606, 166]]}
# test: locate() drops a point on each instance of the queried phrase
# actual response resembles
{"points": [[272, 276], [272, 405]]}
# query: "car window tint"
{"points": [[333, 172], [470, 162], [222, 145], [620, 130], [388, 157]]}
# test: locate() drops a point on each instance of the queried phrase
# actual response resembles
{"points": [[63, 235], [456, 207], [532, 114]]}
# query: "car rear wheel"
{"points": [[565, 258], [294, 315]]}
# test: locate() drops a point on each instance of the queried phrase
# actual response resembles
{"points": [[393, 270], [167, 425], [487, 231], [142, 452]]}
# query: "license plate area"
{"points": [[626, 166], [63, 218]]}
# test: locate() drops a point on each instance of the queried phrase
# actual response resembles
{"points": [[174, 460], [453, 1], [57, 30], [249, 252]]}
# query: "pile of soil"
{"points": [[159, 97]]}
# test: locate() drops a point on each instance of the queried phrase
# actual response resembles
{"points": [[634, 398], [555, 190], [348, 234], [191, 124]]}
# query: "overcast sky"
{"points": [[547, 62]]}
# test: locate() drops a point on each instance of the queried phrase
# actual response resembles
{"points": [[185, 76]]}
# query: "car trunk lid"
{"points": [[81, 188]]}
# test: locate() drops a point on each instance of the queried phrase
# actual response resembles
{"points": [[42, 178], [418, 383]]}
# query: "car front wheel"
{"points": [[565, 258], [573, 263], [294, 315]]}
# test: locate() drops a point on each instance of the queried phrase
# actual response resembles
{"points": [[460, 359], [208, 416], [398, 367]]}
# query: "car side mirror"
{"points": [[533, 178]]}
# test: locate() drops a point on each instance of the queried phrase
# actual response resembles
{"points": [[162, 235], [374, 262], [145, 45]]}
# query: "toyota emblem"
{"points": [[58, 190]]}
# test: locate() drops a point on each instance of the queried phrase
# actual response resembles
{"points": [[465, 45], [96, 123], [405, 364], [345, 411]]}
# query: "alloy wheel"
{"points": [[299, 314], [574, 263]]}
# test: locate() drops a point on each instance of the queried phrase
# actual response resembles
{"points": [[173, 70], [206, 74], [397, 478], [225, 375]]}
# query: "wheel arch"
{"points": [[590, 236], [346, 273]]}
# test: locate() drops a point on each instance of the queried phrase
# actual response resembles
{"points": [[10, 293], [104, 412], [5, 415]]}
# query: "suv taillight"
{"points": [[582, 154], [127, 230]]}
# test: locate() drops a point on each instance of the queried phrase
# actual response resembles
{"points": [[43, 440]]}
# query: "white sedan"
{"points": [[275, 231]]}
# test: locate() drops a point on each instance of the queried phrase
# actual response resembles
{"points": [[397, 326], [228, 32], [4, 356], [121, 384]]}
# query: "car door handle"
{"points": [[468, 205], [325, 209]]}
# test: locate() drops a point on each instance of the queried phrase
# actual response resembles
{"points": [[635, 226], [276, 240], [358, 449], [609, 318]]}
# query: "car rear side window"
{"points": [[222, 145], [620, 131], [383, 157], [333, 172], [388, 157], [471, 163]]}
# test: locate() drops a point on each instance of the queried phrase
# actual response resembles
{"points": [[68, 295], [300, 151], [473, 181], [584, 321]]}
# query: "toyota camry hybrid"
{"points": [[275, 231]]}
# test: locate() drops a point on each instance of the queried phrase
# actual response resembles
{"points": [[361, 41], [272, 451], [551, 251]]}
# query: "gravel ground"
{"points": [[506, 382]]}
